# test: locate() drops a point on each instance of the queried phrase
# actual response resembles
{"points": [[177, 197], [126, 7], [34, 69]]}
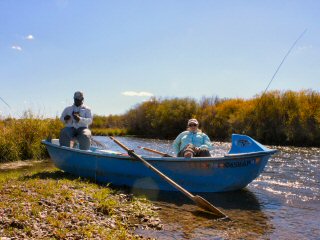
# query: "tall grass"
{"points": [[109, 131], [20, 139]]}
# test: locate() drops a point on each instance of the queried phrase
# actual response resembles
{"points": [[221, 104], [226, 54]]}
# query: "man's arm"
{"points": [[65, 117], [87, 119], [177, 143], [206, 143]]}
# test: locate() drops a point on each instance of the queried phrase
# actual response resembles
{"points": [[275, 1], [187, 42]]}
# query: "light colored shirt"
{"points": [[85, 116], [198, 139]]}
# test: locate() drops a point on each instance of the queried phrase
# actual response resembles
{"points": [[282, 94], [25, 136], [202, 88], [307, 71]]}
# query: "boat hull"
{"points": [[228, 173]]}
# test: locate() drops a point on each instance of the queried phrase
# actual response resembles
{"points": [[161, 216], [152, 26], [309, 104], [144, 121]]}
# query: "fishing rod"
{"points": [[5, 102], [287, 54], [250, 123]]}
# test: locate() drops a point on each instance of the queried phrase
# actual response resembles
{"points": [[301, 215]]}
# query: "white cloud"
{"points": [[16, 47], [29, 37], [137, 94]]}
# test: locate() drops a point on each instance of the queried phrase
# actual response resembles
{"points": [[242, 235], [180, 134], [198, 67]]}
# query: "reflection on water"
{"points": [[290, 192], [283, 203], [183, 220], [26, 166], [242, 199]]}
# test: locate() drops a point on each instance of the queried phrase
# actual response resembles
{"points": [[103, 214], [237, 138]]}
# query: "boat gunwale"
{"points": [[165, 159]]}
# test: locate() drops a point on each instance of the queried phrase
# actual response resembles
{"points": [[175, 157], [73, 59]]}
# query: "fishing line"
{"points": [[277, 70], [301, 35]]}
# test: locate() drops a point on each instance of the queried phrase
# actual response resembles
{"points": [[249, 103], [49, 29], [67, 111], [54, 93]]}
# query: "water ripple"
{"points": [[286, 197]]}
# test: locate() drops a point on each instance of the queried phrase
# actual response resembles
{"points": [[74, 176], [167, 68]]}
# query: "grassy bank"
{"points": [[51, 204]]}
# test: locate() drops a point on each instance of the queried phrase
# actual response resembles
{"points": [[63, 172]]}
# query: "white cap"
{"points": [[194, 121]]}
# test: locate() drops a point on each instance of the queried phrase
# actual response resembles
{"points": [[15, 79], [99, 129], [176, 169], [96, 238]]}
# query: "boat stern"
{"points": [[245, 144]]}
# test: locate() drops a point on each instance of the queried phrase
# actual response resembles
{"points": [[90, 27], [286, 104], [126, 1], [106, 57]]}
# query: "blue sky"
{"points": [[119, 53]]}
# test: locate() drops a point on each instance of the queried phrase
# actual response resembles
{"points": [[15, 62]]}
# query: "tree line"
{"points": [[276, 117]]}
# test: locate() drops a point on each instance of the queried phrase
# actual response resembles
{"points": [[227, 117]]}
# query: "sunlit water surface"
{"points": [[283, 203]]}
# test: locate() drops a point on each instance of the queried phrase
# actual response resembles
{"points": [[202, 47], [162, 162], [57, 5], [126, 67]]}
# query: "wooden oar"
{"points": [[201, 202], [155, 151]]}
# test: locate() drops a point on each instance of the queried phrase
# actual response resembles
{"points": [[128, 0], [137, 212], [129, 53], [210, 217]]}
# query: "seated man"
{"points": [[76, 118]]}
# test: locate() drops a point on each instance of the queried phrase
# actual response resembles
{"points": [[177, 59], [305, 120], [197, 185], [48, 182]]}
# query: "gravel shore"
{"points": [[52, 205]]}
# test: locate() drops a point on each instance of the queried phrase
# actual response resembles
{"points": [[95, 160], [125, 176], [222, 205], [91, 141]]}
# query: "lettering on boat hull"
{"points": [[231, 164], [238, 164]]}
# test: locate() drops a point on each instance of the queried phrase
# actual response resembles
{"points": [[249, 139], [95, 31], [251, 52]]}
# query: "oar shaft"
{"points": [[98, 143], [156, 151], [201, 202], [174, 184]]}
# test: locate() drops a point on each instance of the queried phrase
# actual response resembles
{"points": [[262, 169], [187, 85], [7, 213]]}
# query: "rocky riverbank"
{"points": [[54, 205]]}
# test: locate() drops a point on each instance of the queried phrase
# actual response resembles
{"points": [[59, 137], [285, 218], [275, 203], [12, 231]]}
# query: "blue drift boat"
{"points": [[235, 170]]}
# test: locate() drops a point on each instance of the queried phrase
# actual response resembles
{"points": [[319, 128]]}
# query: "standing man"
{"points": [[77, 119]]}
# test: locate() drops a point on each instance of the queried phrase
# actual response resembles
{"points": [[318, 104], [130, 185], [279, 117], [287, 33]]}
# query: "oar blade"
{"points": [[204, 204], [201, 202]]}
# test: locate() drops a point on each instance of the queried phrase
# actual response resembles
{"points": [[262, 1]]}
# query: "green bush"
{"points": [[282, 118], [161, 118]]}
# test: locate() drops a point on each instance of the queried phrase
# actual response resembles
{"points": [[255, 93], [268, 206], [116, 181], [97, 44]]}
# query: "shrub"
{"points": [[20, 139]]}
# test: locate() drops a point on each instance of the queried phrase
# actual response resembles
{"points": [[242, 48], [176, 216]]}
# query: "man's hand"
{"points": [[67, 118], [197, 149], [76, 116]]}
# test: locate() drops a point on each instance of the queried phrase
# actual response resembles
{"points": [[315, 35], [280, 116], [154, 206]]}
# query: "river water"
{"points": [[283, 203]]}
